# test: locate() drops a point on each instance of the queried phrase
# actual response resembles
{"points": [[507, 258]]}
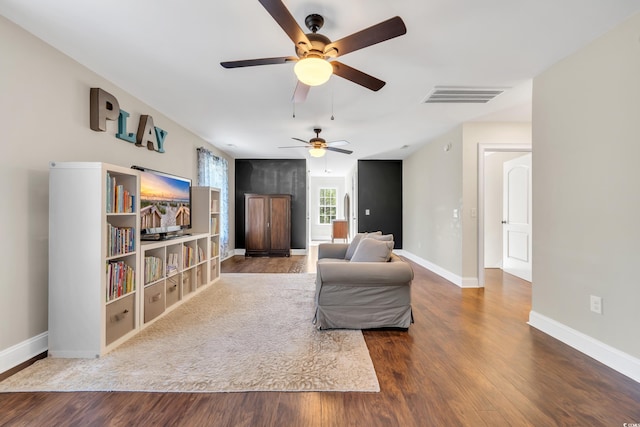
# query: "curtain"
{"points": [[213, 172]]}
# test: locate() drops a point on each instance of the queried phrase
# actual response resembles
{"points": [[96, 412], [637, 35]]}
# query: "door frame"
{"points": [[484, 148]]}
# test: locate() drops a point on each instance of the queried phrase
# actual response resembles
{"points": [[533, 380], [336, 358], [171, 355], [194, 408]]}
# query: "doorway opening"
{"points": [[483, 150]]}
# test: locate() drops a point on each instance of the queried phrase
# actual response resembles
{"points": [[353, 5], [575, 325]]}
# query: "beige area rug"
{"points": [[246, 332]]}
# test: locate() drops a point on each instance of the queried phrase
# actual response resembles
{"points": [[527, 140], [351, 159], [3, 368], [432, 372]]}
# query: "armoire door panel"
{"points": [[279, 230], [267, 224], [256, 221]]}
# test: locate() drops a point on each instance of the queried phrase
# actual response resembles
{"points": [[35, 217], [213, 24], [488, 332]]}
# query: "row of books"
{"points": [[187, 256], [120, 279], [214, 248], [214, 225], [153, 269], [119, 200], [120, 240]]}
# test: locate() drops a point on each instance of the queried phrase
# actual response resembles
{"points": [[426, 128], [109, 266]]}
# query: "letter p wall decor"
{"points": [[105, 106]]}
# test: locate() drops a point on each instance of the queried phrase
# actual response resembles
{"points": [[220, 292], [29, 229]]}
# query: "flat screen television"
{"points": [[165, 204]]}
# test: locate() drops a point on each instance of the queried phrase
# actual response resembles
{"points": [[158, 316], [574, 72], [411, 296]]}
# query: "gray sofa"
{"points": [[361, 295]]}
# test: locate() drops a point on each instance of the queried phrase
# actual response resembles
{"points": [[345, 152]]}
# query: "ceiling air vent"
{"points": [[462, 95]]}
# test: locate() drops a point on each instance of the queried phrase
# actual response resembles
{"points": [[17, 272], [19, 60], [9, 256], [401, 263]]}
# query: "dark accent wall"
{"points": [[380, 191], [274, 176]]}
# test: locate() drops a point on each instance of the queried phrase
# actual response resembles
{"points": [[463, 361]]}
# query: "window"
{"points": [[327, 205]]}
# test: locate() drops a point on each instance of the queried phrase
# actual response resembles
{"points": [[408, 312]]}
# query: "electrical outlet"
{"points": [[596, 304]]}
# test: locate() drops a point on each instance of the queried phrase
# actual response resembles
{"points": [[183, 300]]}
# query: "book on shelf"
{"points": [[120, 240], [120, 279], [187, 256], [215, 205], [119, 199], [200, 254], [153, 269], [172, 263], [214, 225]]}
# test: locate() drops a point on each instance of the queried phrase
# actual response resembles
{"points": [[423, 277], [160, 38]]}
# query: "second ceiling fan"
{"points": [[314, 50], [318, 146]]}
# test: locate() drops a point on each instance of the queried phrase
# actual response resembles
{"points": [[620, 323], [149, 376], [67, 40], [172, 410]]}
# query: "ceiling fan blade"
{"points": [[338, 143], [294, 146], [385, 30], [339, 150], [302, 140], [261, 61], [300, 93], [283, 17], [356, 76]]}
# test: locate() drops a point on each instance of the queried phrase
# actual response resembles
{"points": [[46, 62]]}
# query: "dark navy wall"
{"points": [[380, 191], [274, 176]]}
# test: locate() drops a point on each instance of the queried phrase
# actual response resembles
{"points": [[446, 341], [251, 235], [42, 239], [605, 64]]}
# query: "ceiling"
{"points": [[168, 54]]}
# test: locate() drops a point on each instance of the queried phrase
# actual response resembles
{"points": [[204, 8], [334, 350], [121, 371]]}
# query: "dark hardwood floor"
{"points": [[470, 359]]}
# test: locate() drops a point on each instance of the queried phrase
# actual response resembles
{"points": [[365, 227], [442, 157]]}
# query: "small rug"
{"points": [[246, 332]]}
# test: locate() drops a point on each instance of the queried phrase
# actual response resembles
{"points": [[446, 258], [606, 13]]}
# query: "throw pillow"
{"points": [[372, 250], [383, 237], [356, 241]]}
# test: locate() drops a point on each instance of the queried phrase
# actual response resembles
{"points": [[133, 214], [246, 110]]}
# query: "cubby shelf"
{"points": [[206, 219], [180, 273]]}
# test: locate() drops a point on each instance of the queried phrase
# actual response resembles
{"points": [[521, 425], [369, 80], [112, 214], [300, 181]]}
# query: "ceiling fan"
{"points": [[313, 50], [318, 146]]}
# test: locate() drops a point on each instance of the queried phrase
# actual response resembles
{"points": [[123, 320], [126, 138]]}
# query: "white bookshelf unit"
{"points": [[93, 258], [205, 207], [105, 284]]}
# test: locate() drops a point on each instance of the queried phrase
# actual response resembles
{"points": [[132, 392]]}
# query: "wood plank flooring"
{"points": [[470, 359]]}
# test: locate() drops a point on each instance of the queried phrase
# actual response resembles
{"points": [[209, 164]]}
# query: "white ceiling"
{"points": [[168, 54]]}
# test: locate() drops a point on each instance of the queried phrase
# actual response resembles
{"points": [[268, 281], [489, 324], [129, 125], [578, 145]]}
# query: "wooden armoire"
{"points": [[267, 224]]}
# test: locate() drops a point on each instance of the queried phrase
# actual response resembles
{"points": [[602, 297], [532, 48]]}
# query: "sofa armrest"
{"points": [[365, 273], [332, 250]]}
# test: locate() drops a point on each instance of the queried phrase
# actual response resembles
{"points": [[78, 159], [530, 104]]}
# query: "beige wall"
{"points": [[437, 182], [44, 111], [432, 185], [475, 133], [586, 116]]}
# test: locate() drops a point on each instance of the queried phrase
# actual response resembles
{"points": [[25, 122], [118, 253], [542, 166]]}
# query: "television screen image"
{"points": [[165, 202]]}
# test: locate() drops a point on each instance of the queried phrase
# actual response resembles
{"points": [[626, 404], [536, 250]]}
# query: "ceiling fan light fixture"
{"points": [[313, 71], [317, 152]]}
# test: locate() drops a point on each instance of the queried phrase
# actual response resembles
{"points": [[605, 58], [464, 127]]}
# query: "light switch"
{"points": [[366, 212], [455, 213]]}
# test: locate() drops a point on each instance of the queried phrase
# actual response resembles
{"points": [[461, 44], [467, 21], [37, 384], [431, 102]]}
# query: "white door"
{"points": [[516, 235]]}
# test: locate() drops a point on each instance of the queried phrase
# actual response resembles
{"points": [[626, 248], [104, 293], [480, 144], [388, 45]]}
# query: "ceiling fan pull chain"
{"points": [[332, 93]]}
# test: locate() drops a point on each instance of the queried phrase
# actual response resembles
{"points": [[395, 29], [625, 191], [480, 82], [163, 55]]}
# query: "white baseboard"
{"points": [[603, 353], [466, 282], [19, 353]]}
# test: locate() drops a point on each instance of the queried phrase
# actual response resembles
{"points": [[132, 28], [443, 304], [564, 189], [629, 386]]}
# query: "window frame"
{"points": [[319, 213]]}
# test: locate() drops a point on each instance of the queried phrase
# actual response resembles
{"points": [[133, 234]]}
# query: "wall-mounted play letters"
{"points": [[105, 106]]}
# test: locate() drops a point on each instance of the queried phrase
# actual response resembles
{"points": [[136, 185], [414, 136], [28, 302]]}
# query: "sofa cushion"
{"points": [[383, 237], [372, 250], [356, 241]]}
